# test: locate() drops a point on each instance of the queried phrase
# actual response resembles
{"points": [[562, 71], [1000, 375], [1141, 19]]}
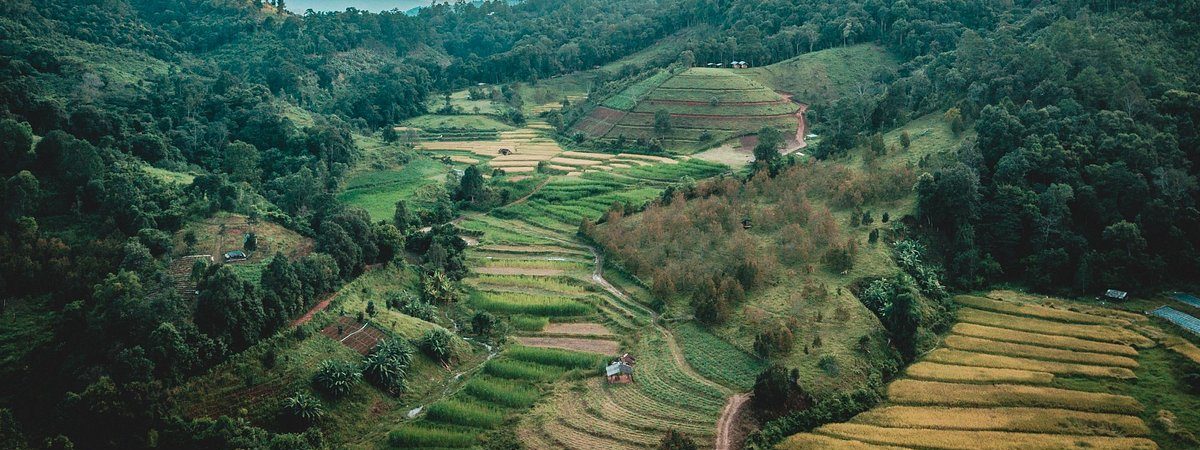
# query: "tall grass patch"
{"points": [[530, 304], [428, 436], [502, 392], [518, 370], [565, 359], [464, 413]]}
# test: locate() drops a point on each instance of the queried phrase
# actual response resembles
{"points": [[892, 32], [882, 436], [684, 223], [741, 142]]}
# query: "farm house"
{"points": [[236, 255], [619, 372]]}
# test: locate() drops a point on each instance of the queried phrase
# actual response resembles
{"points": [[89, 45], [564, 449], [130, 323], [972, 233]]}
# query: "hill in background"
{"points": [[704, 105]]}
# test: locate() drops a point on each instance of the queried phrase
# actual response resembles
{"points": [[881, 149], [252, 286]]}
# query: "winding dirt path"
{"points": [[729, 415]]}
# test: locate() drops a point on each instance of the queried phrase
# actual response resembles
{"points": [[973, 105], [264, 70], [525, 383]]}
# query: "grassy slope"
{"points": [[378, 191], [826, 74], [461, 122]]}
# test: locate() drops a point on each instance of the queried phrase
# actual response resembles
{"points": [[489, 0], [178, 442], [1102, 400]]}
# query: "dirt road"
{"points": [[728, 420]]}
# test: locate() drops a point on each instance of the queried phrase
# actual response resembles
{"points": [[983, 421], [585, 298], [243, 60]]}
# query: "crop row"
{"points": [[530, 304]]}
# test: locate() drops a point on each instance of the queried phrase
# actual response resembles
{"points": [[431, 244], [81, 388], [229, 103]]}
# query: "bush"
{"points": [[437, 344], [387, 365], [302, 409], [336, 378], [775, 341]]}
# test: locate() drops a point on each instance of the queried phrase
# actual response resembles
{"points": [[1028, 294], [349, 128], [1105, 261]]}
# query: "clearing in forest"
{"points": [[995, 384], [704, 105]]}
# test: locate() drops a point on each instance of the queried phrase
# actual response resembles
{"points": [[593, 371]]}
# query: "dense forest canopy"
{"points": [[1082, 174]]}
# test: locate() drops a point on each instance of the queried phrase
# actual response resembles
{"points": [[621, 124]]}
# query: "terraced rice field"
{"points": [[506, 386], [530, 269], [705, 105], [989, 386]]}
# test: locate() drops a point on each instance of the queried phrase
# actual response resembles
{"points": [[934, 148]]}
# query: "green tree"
{"points": [[903, 320], [767, 150], [282, 291], [336, 242], [482, 323], [241, 162], [674, 440], [662, 122], [905, 140], [229, 309], [402, 218], [16, 144], [471, 186]]}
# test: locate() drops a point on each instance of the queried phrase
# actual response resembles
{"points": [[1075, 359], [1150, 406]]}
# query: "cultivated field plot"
{"points": [[704, 104], [990, 386], [361, 337], [506, 387]]}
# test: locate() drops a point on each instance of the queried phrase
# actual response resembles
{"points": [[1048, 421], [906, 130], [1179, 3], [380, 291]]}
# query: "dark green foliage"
{"points": [[776, 340], [229, 308], [483, 323], [302, 410], [766, 151], [336, 378], [776, 392], [437, 344], [471, 186], [838, 407], [675, 440], [387, 364], [662, 122]]}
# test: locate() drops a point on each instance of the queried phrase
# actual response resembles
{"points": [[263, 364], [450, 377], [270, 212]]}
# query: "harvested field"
{"points": [[950, 356], [980, 440], [967, 374], [1028, 420], [1024, 337], [601, 346], [975, 344], [1100, 333], [912, 392], [358, 336], [518, 271], [1037, 311], [581, 329], [807, 441]]}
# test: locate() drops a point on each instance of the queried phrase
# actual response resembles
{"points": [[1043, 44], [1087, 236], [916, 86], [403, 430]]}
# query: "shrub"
{"points": [[675, 440], [437, 344], [776, 340], [387, 365], [302, 409], [336, 378]]}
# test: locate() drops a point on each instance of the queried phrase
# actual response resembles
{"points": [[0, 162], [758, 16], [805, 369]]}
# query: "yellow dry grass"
{"points": [[975, 344], [1102, 333], [1046, 340], [574, 161], [1038, 311], [659, 159], [978, 440], [1008, 295], [1028, 420], [806, 441], [1183, 347], [589, 155], [950, 356], [558, 167], [914, 392], [519, 170], [968, 374]]}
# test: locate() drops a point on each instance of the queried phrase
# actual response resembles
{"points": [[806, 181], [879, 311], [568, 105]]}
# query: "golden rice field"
{"points": [[1102, 333], [988, 385], [963, 374], [980, 440], [969, 358], [1038, 311], [1022, 337]]}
